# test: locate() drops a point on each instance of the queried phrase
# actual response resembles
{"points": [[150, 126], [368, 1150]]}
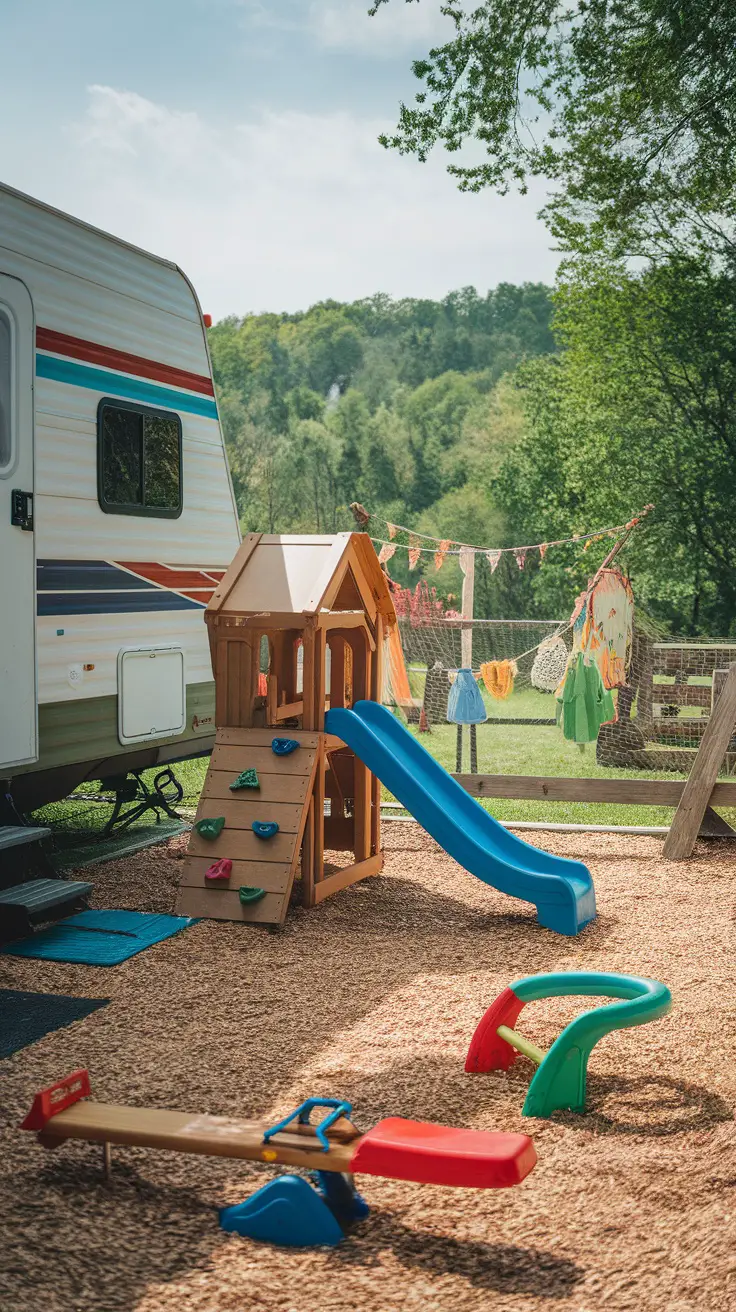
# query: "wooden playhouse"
{"points": [[297, 625]]}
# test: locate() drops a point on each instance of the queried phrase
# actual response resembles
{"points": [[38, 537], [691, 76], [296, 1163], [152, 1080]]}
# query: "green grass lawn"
{"points": [[530, 749]]}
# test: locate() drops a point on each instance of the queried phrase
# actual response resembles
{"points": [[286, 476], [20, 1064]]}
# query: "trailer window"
{"points": [[138, 460], [6, 375]]}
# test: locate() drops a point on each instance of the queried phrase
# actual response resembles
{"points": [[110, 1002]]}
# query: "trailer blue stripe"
{"points": [[86, 576], [113, 603], [132, 389]]}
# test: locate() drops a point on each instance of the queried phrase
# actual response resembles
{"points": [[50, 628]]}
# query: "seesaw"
{"points": [[560, 1079], [288, 1210]]}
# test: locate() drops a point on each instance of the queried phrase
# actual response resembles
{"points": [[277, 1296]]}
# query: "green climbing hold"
{"points": [[248, 894], [210, 829], [248, 779]]}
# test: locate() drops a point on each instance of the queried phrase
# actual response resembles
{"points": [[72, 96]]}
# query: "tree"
{"points": [[627, 106], [640, 407]]}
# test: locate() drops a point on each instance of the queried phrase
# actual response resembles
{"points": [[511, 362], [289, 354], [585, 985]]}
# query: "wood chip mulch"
{"points": [[374, 996]]}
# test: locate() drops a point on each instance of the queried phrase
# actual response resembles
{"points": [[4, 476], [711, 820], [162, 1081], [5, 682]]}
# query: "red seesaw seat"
{"points": [[437, 1154]]}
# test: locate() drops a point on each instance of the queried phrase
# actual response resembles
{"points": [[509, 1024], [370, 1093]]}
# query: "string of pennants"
{"points": [[440, 548]]}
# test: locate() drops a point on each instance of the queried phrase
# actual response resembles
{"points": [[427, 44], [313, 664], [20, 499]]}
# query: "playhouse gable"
{"points": [[298, 575]]}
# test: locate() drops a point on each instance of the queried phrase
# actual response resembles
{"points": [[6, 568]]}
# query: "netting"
{"points": [[584, 694]]}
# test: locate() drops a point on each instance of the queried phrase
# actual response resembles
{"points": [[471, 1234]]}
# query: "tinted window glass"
{"points": [[161, 461], [6, 435], [139, 454], [122, 457]]}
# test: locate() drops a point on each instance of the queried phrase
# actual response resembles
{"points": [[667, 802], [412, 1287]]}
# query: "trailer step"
{"points": [[23, 905], [20, 835]]}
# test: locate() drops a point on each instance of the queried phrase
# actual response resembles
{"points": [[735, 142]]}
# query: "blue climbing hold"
{"points": [[286, 1211], [265, 828], [284, 746]]}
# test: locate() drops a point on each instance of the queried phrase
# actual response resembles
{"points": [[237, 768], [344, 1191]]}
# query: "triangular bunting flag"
{"points": [[387, 551], [543, 551], [493, 558], [440, 553], [415, 551], [467, 559], [520, 556], [392, 531]]}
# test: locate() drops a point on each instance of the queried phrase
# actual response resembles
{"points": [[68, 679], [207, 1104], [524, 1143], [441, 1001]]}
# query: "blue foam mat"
{"points": [[99, 938], [27, 1017]]}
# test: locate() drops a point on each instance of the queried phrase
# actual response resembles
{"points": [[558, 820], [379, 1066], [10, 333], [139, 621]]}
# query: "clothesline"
{"points": [[451, 547]]}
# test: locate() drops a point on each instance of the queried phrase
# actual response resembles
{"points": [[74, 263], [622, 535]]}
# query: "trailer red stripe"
{"points": [[94, 353], [168, 577]]}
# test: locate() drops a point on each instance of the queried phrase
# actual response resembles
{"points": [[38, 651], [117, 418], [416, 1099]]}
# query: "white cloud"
{"points": [[285, 209], [395, 28]]}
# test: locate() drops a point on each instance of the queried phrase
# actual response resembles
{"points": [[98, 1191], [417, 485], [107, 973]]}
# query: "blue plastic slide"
{"points": [[561, 890]]}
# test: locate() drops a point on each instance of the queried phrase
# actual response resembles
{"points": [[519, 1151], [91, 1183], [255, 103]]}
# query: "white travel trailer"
{"points": [[117, 516]]}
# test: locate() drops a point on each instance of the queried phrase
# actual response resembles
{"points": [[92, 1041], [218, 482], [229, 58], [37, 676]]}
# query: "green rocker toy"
{"points": [[560, 1079]]}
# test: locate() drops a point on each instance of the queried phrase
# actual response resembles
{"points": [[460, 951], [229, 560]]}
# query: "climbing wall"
{"points": [[283, 796]]}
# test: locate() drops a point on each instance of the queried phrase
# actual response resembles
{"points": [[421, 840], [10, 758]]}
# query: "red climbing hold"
{"points": [[219, 870]]}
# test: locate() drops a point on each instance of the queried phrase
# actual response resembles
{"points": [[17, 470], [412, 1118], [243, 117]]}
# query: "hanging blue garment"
{"points": [[465, 703]]}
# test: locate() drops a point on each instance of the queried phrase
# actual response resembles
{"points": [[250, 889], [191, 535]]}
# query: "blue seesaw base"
{"points": [[292, 1213]]}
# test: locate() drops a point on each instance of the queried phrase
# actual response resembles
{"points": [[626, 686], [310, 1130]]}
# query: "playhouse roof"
{"points": [[303, 575]]}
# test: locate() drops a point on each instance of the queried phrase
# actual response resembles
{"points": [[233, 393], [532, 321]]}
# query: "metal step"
{"points": [[20, 835], [38, 895], [24, 905]]}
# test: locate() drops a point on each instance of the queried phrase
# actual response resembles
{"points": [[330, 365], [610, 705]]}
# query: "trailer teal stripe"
{"points": [[132, 389]]}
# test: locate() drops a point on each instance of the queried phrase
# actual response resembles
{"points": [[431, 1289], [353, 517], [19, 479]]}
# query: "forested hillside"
{"points": [[405, 406], [503, 420]]}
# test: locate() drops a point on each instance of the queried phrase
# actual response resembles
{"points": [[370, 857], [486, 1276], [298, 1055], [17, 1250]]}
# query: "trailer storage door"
{"points": [[18, 727]]}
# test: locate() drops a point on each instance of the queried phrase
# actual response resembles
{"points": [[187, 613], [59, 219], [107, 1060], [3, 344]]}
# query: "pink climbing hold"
{"points": [[219, 870]]}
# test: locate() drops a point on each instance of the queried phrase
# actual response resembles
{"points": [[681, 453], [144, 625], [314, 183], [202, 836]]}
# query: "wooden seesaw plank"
{"points": [[395, 1148]]}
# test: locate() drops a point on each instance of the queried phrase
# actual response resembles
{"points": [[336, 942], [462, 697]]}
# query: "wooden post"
{"points": [[377, 695], [362, 777], [467, 565], [308, 669], [699, 786], [337, 670]]}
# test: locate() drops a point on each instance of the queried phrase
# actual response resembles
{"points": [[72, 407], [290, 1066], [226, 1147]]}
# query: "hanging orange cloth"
{"points": [[498, 677]]}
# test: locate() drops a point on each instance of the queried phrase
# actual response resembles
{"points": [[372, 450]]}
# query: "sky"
{"points": [[239, 139]]}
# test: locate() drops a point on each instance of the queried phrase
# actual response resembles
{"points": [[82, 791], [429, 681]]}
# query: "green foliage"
{"points": [[639, 407], [628, 106], [390, 403]]}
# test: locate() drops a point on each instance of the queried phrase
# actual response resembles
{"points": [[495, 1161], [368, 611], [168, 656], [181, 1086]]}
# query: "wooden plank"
{"points": [[232, 691], [308, 879], [233, 572], [231, 736], [224, 904], [698, 788], [240, 811], [682, 694], [220, 670], [243, 845], [274, 787], [287, 711], [339, 833], [337, 669], [373, 865], [690, 727], [271, 876], [634, 792], [624, 792], [192, 1132], [262, 759], [319, 817]]}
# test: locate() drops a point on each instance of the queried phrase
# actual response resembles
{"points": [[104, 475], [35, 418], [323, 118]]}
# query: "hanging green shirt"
{"points": [[584, 703]]}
